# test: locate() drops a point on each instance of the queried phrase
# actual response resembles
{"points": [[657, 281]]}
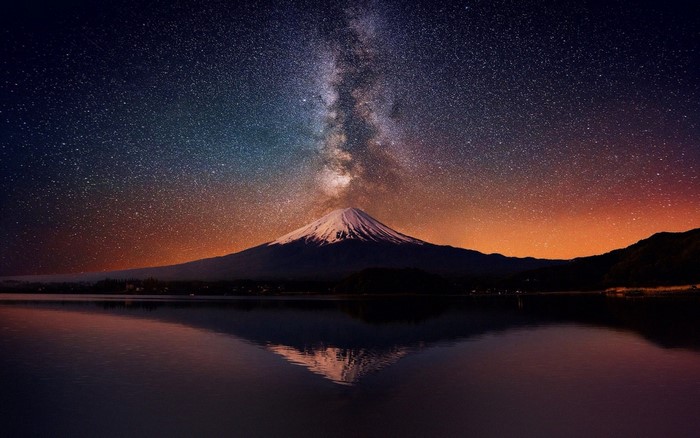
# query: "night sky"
{"points": [[149, 133]]}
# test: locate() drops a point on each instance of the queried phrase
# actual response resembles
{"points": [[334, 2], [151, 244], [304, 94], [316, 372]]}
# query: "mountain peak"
{"points": [[345, 224]]}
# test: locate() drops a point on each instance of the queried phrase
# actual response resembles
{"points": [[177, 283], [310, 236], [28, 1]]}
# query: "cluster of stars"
{"points": [[148, 133]]}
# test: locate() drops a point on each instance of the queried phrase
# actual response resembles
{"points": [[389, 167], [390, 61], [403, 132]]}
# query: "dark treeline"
{"points": [[369, 281], [665, 259], [153, 286]]}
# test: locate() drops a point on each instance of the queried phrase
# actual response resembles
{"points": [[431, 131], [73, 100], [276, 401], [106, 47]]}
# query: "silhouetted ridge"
{"points": [[664, 259]]}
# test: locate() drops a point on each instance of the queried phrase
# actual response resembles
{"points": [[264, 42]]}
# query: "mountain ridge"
{"points": [[663, 259], [348, 241], [338, 244]]}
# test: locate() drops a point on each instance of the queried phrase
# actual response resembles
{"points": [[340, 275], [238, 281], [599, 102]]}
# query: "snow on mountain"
{"points": [[345, 224], [340, 243]]}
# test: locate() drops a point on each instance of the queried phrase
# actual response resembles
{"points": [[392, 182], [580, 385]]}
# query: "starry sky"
{"points": [[138, 133]]}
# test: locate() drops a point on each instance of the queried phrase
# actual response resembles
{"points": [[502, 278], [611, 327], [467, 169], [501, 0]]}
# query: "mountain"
{"points": [[338, 244], [664, 259], [345, 224]]}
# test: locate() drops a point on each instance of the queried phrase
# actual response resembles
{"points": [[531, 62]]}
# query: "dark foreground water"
{"points": [[528, 366]]}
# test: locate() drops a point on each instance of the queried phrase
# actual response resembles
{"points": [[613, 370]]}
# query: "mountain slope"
{"points": [[299, 260], [660, 260], [340, 243]]}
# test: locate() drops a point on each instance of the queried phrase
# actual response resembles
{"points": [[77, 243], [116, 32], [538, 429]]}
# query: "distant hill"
{"points": [[663, 259]]}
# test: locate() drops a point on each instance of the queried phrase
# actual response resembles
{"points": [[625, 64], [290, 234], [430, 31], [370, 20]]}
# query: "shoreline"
{"points": [[619, 292]]}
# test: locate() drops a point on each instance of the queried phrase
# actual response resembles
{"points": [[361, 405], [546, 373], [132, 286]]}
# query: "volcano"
{"points": [[345, 224], [338, 244]]}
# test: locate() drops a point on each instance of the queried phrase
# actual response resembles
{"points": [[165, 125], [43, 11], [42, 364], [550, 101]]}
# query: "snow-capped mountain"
{"points": [[336, 245], [345, 224]]}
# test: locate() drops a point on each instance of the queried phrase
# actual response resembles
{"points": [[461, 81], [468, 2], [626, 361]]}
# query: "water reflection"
{"points": [[554, 366], [345, 340], [344, 366]]}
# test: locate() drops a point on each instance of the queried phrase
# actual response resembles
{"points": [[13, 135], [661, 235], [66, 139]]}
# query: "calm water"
{"points": [[529, 366]]}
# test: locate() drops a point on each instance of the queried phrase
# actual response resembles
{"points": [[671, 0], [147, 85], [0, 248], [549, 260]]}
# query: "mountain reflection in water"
{"points": [[497, 366], [340, 365], [344, 340]]}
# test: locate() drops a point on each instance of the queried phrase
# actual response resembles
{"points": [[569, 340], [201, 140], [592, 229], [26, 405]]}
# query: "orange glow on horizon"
{"points": [[541, 225]]}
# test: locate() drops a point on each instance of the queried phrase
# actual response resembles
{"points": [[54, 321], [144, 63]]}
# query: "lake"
{"points": [[471, 366]]}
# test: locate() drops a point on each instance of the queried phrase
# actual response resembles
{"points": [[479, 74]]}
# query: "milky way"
{"points": [[148, 133], [358, 165]]}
